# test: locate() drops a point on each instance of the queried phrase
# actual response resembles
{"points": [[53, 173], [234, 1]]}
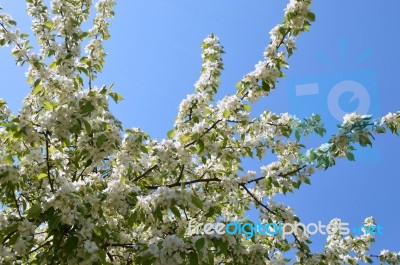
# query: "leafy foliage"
{"points": [[76, 188]]}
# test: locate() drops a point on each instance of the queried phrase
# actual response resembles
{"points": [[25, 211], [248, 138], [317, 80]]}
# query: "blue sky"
{"points": [[154, 59]]}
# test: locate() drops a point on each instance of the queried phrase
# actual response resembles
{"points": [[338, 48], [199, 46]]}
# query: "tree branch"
{"points": [[48, 161], [177, 184], [280, 175], [204, 133], [148, 171]]}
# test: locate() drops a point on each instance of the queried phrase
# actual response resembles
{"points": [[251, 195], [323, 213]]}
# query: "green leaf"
{"points": [[285, 247], [268, 182], [368, 259], [102, 255], [223, 247], [116, 96], [158, 214], [71, 245], [350, 156], [296, 184], [249, 152], [200, 146], [364, 140], [276, 184], [265, 86], [34, 211], [311, 16], [53, 65], [286, 132], [48, 106], [307, 180], [239, 84], [131, 198], [175, 211], [210, 257], [41, 176], [101, 140], [193, 259], [144, 149], [54, 221], [48, 24], [226, 113], [145, 259], [200, 244], [171, 133], [297, 134], [313, 156], [197, 202], [37, 89], [13, 239], [381, 129], [246, 107], [37, 82], [195, 119], [282, 31], [224, 143], [88, 128], [87, 107], [259, 153], [8, 159], [185, 138]]}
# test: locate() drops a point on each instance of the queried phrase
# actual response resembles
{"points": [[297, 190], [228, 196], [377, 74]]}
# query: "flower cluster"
{"points": [[261, 81]]}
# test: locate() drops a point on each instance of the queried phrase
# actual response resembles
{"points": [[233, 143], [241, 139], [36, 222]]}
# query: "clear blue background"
{"points": [[154, 59]]}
